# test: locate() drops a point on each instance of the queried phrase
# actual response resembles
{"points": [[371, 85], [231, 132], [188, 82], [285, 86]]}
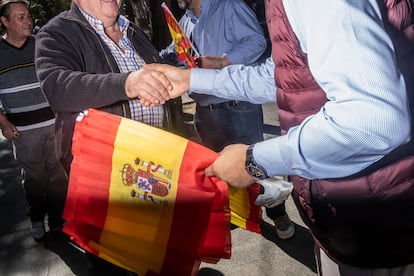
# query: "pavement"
{"points": [[252, 254]]}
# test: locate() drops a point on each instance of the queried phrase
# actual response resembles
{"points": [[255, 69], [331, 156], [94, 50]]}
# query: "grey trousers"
{"points": [[45, 181]]}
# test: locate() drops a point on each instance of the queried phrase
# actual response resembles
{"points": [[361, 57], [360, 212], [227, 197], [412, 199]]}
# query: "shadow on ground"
{"points": [[60, 244], [302, 239]]}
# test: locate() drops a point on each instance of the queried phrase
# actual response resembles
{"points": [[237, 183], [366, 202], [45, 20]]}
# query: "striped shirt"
{"points": [[23, 101], [127, 60]]}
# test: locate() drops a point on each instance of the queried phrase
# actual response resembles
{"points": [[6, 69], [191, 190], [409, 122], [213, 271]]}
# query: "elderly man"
{"points": [[92, 57], [96, 63]]}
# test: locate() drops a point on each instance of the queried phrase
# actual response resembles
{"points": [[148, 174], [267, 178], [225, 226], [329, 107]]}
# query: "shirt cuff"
{"points": [[201, 80], [234, 59], [268, 155]]}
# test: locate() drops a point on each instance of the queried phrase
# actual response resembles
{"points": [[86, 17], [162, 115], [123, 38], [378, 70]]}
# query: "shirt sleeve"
{"points": [[352, 58], [243, 25], [254, 84]]}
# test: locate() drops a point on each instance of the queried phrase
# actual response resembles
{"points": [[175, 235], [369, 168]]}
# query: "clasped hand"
{"points": [[157, 83], [150, 87], [160, 82]]}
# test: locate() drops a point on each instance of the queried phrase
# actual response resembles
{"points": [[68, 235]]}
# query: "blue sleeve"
{"points": [[254, 84], [246, 29]]}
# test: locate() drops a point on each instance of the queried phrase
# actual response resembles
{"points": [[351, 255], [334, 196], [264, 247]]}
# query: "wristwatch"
{"points": [[253, 169]]}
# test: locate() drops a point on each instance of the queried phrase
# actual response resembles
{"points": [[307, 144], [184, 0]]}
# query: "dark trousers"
{"points": [[237, 122], [45, 181], [276, 212]]}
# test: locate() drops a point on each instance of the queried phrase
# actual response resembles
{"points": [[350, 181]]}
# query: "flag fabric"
{"points": [[244, 212], [138, 197], [183, 45]]}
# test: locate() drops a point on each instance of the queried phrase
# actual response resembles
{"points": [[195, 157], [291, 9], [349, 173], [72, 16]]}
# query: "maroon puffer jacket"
{"points": [[366, 220]]}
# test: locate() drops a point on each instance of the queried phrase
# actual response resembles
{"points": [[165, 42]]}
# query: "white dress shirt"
{"points": [[352, 58]]}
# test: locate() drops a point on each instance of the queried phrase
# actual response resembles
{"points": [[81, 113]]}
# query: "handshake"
{"points": [[155, 84]]}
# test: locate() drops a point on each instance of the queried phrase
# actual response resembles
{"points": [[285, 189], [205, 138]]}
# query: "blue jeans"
{"points": [[238, 122]]}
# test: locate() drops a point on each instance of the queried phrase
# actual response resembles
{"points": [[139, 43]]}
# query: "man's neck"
{"points": [[15, 41], [196, 4], [196, 11]]}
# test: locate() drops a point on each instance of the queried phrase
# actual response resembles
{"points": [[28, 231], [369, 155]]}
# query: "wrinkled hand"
{"points": [[178, 77], [212, 62], [151, 87], [8, 129], [230, 166]]}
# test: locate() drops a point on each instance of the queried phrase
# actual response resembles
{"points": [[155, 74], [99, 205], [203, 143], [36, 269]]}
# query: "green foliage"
{"points": [[46, 9]]}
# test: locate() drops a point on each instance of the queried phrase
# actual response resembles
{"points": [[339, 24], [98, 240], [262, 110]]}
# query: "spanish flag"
{"points": [[183, 45], [244, 213], [138, 197]]}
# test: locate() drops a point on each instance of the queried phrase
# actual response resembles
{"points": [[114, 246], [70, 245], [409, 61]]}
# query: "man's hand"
{"points": [[151, 87], [230, 166], [178, 77], [8, 129], [212, 62]]}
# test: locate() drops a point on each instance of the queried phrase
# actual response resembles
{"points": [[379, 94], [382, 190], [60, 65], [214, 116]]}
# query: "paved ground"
{"points": [[252, 254]]}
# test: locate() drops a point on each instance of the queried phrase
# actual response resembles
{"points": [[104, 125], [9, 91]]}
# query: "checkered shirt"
{"points": [[128, 60]]}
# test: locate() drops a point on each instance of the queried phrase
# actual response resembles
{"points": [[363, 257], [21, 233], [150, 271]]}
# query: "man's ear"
{"points": [[3, 19]]}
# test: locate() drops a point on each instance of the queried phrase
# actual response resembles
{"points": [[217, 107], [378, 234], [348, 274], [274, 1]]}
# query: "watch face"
{"points": [[255, 171]]}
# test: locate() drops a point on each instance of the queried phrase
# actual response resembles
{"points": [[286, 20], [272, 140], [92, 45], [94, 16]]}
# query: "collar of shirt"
{"points": [[98, 25], [203, 10], [192, 16]]}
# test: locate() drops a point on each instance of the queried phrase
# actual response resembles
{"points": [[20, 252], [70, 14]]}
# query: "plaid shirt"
{"points": [[128, 60]]}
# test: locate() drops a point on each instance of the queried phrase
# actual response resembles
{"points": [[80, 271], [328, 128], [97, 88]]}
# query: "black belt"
{"points": [[220, 105]]}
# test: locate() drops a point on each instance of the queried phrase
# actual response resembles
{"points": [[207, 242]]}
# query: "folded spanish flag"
{"points": [[138, 197]]}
